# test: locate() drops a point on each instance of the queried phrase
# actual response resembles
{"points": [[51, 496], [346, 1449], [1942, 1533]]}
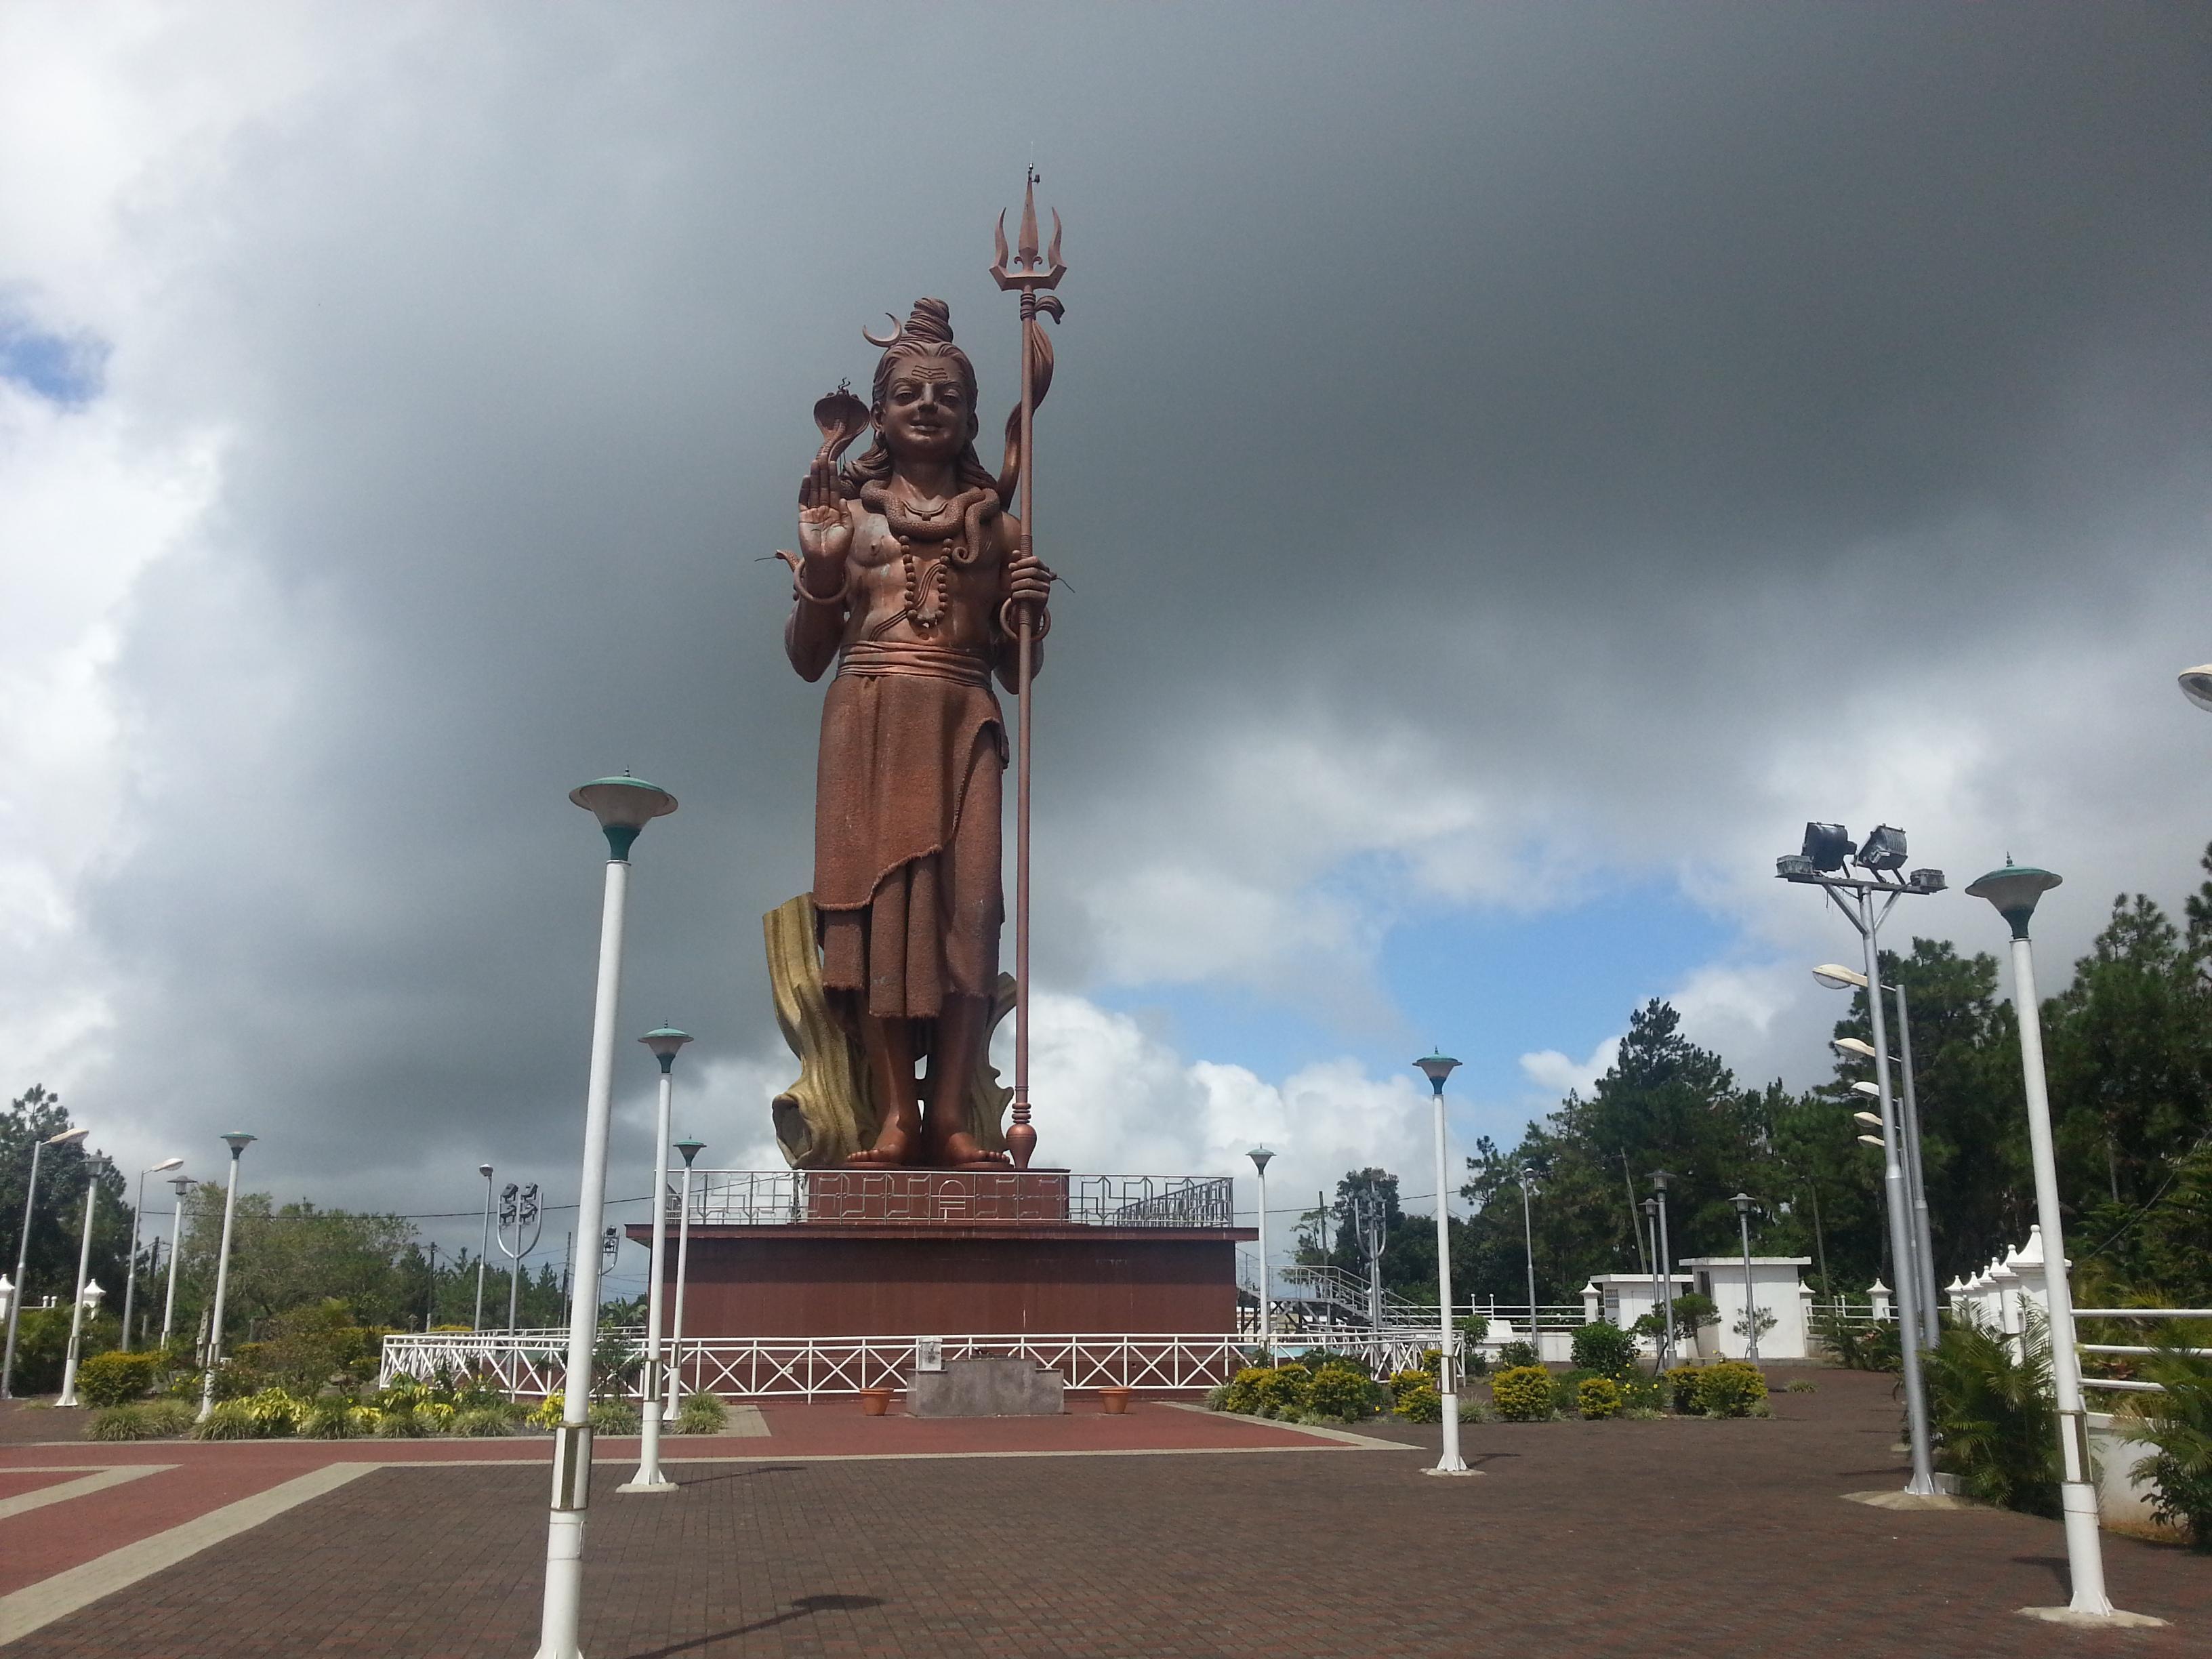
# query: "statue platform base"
{"points": [[986, 1387], [954, 1252]]}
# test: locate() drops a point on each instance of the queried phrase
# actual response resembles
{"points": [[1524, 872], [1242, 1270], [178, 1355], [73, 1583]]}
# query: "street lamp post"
{"points": [[1820, 863], [1659, 1180], [1528, 1245], [66, 1137], [1437, 1067], [180, 1185], [2014, 891], [623, 807], [1743, 1202], [92, 1168], [138, 1216], [1659, 1311], [483, 1253], [1260, 1157], [238, 1141], [689, 1149], [665, 1042], [1836, 976]]}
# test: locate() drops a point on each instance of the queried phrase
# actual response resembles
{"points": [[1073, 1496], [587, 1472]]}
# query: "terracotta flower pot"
{"points": [[875, 1402], [1115, 1401]]}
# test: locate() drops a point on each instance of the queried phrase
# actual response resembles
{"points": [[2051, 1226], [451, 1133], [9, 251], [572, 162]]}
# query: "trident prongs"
{"points": [[1026, 270]]}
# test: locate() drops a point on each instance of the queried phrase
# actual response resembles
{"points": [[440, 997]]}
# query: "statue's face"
{"points": [[926, 412]]}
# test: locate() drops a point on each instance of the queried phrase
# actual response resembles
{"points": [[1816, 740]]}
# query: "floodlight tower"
{"points": [[1820, 861]]}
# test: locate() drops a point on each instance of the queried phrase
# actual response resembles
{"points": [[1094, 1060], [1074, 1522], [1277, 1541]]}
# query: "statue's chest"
{"points": [[932, 581]]}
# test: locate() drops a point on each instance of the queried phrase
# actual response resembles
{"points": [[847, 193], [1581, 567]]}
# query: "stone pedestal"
{"points": [[986, 1387]]}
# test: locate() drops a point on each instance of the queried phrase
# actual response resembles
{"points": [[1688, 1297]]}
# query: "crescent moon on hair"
{"points": [[898, 333]]}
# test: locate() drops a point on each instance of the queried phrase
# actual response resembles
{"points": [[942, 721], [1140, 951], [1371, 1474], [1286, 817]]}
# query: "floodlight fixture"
{"points": [[1794, 867], [1875, 1141], [1854, 1046], [1827, 845], [1924, 881], [1836, 977], [1884, 850], [1870, 1091], [1866, 1120], [2197, 685]]}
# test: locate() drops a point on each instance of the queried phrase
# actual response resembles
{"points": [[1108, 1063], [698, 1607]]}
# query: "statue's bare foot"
{"points": [[893, 1147], [962, 1151]]}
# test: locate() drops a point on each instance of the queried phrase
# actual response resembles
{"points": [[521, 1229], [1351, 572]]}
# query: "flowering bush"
{"points": [[1598, 1396], [546, 1414], [1682, 1387], [1282, 1390], [1413, 1396], [1604, 1348], [1523, 1394]]}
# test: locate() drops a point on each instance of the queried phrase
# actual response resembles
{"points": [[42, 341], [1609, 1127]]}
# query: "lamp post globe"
{"points": [[623, 807], [688, 1148], [2197, 685], [665, 1042], [1260, 1157], [1437, 1066]]}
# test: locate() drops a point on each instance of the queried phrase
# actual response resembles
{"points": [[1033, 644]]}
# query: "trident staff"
{"points": [[1032, 277]]}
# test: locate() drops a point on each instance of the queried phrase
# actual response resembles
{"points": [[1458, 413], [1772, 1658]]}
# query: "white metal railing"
{"points": [[767, 1198], [2124, 1385], [803, 1367]]}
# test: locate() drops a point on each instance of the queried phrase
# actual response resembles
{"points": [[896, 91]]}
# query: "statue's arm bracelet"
{"points": [[799, 590]]}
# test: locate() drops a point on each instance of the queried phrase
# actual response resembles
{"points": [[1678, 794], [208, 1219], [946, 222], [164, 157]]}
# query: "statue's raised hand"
{"points": [[825, 533]]}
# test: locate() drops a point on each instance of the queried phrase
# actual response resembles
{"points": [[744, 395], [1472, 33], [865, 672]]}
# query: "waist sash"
{"points": [[869, 658]]}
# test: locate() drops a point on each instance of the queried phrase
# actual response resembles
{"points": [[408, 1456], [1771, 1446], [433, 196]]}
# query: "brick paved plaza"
{"points": [[838, 1536]]}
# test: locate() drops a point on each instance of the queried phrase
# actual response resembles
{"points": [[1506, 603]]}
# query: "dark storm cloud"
{"points": [[1556, 386]]}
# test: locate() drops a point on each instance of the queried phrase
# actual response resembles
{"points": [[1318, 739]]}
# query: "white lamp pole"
{"points": [[180, 1185], [689, 1149], [92, 1167], [138, 1216], [2014, 891], [485, 1254], [665, 1042], [66, 1137], [623, 807], [1437, 1067], [238, 1143], [1744, 1202], [1528, 1248], [1260, 1157]]}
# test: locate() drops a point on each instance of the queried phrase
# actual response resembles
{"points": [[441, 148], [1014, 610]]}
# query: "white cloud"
{"points": [[1561, 1074]]}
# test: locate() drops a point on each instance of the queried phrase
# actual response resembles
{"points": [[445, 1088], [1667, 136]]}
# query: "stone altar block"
{"points": [[986, 1387]]}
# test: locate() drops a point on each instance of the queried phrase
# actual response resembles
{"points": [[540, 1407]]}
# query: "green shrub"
{"points": [[1341, 1393], [1519, 1356], [166, 1419], [395, 1423], [1523, 1394], [546, 1413], [483, 1421], [1314, 1358], [119, 1423], [1605, 1349], [1216, 1397], [275, 1412], [1414, 1396], [1598, 1396], [115, 1378], [1643, 1396], [1730, 1389], [1996, 1417], [1565, 1387], [701, 1413], [434, 1417], [615, 1417], [1682, 1388], [1799, 1385], [229, 1419], [2179, 1424], [328, 1419], [1472, 1410]]}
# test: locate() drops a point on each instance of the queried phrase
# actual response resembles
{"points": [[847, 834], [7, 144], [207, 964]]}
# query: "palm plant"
{"points": [[2178, 1422], [1995, 1411]]}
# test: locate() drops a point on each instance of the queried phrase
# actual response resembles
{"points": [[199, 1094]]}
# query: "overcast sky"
{"points": [[1512, 465]]}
